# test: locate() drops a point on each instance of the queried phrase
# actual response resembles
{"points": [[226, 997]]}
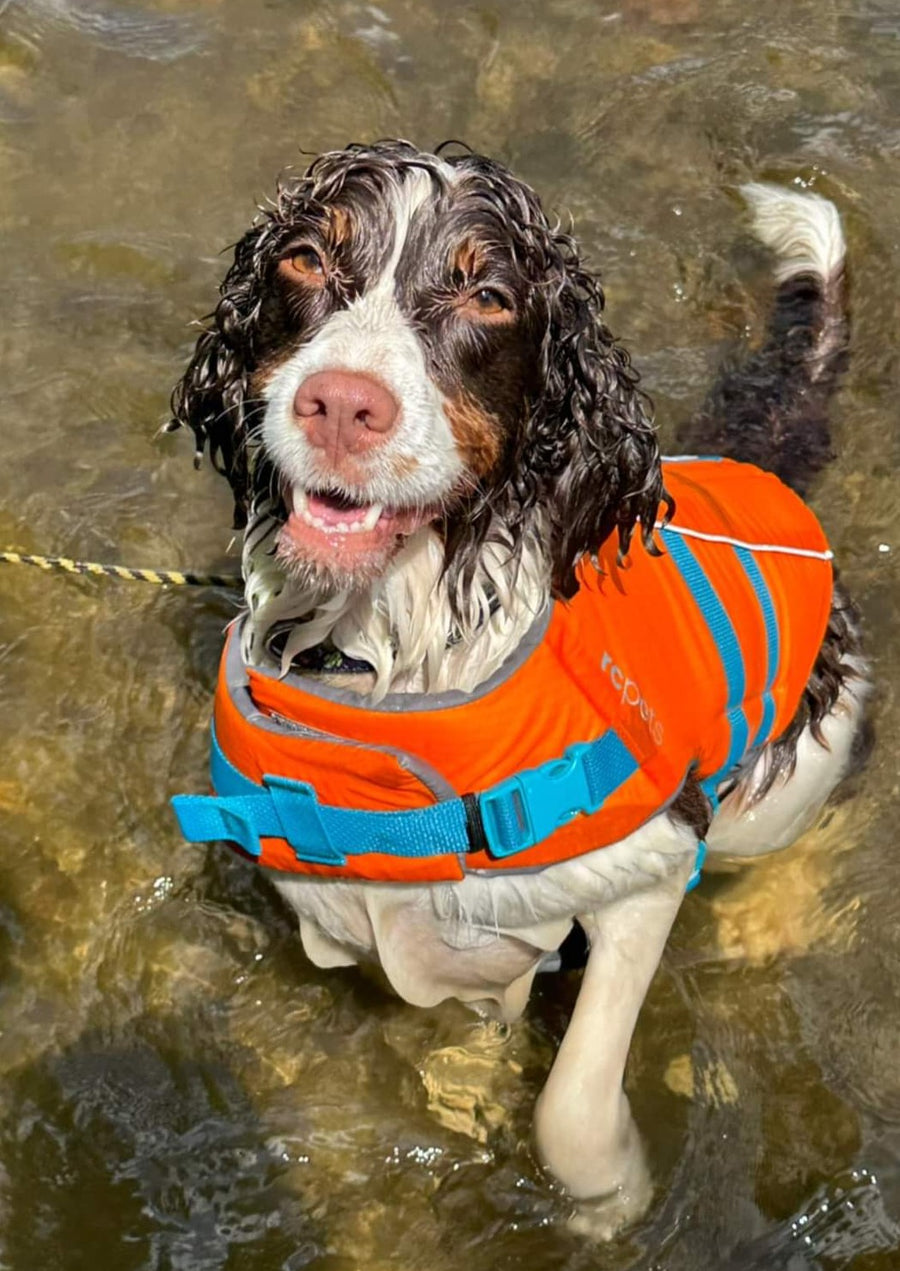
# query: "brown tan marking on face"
{"points": [[468, 258], [340, 225], [259, 379], [477, 434]]}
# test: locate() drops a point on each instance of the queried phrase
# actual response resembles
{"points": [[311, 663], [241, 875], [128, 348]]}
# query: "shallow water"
{"points": [[179, 1088]]}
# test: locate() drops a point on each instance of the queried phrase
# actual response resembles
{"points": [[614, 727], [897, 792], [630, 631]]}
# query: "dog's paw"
{"points": [[614, 1189], [605, 1217]]}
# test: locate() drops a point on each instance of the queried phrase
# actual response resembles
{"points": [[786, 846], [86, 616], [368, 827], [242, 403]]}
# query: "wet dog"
{"points": [[438, 451]]}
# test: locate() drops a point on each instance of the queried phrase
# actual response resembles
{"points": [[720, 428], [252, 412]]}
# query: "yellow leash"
{"points": [[161, 577]]}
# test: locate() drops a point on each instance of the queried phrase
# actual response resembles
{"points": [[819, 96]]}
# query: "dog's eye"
{"points": [[305, 262], [486, 303]]}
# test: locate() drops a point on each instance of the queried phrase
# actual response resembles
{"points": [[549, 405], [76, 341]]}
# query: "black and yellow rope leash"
{"points": [[161, 577]]}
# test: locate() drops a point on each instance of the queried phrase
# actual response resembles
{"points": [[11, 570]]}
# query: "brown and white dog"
{"points": [[426, 426]]}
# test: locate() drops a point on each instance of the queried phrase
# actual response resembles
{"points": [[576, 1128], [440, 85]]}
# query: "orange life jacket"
{"points": [[660, 665]]}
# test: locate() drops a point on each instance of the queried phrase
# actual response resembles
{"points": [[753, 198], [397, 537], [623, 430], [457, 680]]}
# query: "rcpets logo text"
{"points": [[630, 695]]}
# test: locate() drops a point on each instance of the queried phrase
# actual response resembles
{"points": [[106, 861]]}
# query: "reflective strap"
{"points": [[691, 458], [517, 813], [725, 637]]}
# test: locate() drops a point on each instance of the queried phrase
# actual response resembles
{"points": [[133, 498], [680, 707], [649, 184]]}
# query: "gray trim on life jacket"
{"points": [[239, 691], [394, 703]]}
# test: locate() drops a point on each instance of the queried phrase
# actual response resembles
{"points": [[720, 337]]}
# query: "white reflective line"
{"points": [[781, 548]]}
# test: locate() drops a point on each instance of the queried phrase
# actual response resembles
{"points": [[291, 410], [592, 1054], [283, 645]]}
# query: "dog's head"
{"points": [[403, 339]]}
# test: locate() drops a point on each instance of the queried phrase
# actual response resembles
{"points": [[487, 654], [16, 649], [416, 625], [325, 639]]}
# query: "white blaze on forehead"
{"points": [[417, 187], [372, 337]]}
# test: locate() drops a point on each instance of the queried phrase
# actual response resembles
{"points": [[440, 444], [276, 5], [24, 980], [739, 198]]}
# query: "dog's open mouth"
{"points": [[335, 532]]}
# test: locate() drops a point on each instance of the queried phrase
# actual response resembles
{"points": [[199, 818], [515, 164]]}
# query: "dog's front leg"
{"points": [[584, 1131]]}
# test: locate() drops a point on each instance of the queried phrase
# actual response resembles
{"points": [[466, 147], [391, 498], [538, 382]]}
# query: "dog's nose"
{"points": [[343, 412]]}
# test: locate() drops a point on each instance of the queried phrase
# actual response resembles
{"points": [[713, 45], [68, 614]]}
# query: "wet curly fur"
{"points": [[584, 427]]}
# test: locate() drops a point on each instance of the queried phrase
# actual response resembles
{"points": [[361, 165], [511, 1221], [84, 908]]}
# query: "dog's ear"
{"points": [[213, 396], [594, 432]]}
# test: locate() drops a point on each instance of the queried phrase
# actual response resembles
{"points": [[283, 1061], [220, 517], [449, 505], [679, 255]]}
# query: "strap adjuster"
{"points": [[279, 808], [527, 808], [297, 808]]}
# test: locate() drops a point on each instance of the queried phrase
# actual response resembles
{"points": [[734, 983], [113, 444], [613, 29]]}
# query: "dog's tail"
{"points": [[772, 409]]}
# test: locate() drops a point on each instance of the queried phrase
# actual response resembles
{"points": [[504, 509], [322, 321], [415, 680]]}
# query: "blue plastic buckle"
{"points": [[298, 811], [527, 808]]}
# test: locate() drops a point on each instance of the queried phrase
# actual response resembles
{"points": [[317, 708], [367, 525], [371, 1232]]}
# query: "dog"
{"points": [[478, 604]]}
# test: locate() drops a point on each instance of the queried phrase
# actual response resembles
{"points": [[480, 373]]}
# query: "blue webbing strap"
{"points": [[773, 647], [697, 871], [516, 814], [725, 637]]}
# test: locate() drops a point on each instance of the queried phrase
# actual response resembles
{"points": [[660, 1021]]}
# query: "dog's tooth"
{"points": [[370, 520], [298, 497]]}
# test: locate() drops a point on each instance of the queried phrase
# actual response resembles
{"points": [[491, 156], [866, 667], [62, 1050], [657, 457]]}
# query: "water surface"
{"points": [[180, 1089]]}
